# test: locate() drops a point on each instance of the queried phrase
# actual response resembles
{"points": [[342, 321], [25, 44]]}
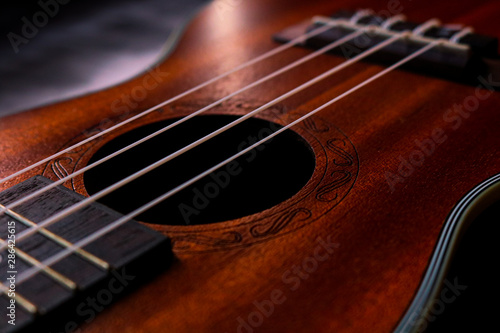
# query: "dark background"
{"points": [[84, 47]]}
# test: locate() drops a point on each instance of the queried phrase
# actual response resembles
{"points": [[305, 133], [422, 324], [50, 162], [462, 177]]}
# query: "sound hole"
{"points": [[260, 179]]}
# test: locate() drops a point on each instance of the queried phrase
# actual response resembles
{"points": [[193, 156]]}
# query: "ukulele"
{"points": [[290, 167]]}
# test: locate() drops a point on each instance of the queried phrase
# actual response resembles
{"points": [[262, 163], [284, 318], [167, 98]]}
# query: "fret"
{"points": [[63, 280], [41, 290], [25, 313], [125, 240], [59, 240], [75, 267], [130, 250], [20, 300]]}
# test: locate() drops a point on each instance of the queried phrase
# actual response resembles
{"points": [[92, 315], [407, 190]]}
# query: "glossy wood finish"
{"points": [[383, 239]]}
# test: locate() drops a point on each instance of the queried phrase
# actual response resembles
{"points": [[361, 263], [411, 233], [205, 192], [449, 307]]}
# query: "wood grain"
{"points": [[380, 239]]}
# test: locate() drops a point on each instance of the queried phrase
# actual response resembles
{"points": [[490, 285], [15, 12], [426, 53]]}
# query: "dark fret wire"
{"points": [[57, 239]]}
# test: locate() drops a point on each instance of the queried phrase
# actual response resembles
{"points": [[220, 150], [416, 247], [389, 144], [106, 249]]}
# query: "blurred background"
{"points": [[53, 50]]}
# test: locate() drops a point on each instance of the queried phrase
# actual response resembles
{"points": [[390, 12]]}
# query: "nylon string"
{"points": [[87, 240]]}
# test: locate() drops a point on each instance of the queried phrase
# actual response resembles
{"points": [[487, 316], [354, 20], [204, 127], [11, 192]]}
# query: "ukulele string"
{"points": [[96, 235], [87, 201], [264, 56], [168, 127]]}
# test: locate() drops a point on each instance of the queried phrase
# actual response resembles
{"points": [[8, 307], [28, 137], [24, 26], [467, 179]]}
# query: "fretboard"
{"points": [[104, 269]]}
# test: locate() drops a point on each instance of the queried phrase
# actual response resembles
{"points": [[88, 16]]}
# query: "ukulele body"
{"points": [[349, 250]]}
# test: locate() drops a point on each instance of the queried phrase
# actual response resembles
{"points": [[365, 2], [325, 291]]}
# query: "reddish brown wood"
{"points": [[384, 239]]}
